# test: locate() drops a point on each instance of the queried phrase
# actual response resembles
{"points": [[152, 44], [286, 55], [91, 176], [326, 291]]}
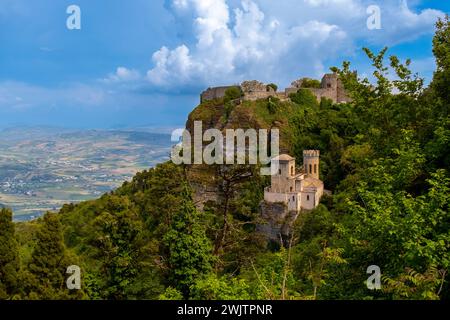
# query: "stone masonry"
{"points": [[331, 87]]}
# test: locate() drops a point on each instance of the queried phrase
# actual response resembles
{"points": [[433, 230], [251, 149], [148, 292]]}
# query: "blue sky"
{"points": [[144, 63]]}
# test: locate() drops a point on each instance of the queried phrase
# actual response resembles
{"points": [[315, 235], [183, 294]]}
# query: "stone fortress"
{"points": [[291, 191], [331, 87]]}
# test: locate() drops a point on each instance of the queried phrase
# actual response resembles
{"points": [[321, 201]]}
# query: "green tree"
{"points": [[310, 83], [304, 97], [9, 256], [232, 93], [272, 86], [212, 287], [441, 50], [189, 251], [124, 254], [49, 261]]}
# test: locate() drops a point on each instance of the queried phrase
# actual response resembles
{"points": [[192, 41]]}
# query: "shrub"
{"points": [[273, 86]]}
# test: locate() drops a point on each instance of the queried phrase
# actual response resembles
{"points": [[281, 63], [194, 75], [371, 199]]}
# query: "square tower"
{"points": [[286, 170], [311, 161]]}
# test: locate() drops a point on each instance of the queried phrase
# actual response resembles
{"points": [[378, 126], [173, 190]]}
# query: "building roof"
{"points": [[283, 157], [312, 182]]}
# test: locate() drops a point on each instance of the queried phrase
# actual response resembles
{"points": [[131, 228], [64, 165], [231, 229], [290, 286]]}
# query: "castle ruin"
{"points": [[331, 87]]}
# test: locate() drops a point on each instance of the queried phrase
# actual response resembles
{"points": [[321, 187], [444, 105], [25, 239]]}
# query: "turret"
{"points": [[311, 160]]}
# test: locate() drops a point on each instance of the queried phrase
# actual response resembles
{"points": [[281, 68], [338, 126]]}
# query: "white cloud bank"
{"points": [[276, 40], [234, 44]]}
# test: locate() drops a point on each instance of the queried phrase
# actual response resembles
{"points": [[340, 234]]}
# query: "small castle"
{"points": [[331, 87], [297, 189], [291, 191]]}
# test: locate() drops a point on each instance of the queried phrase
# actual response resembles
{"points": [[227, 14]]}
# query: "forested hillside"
{"points": [[385, 156]]}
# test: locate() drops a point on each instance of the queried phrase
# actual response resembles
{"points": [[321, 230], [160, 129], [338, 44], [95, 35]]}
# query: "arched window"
{"points": [[279, 171], [310, 168], [290, 189], [292, 170], [315, 168], [307, 198]]}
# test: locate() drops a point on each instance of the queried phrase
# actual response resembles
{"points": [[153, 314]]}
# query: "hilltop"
{"points": [[385, 156]]}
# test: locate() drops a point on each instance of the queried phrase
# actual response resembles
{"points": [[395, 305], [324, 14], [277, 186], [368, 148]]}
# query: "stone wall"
{"points": [[255, 90], [331, 88], [324, 93], [253, 96], [213, 93], [342, 95], [290, 199]]}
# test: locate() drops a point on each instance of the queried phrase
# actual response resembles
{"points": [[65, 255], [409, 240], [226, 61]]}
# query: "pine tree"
{"points": [[189, 249], [48, 261], [9, 256]]}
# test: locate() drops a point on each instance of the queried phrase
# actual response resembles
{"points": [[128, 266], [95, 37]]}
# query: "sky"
{"points": [[144, 62]]}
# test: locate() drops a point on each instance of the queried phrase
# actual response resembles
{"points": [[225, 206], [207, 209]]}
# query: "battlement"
{"points": [[331, 87], [311, 153]]}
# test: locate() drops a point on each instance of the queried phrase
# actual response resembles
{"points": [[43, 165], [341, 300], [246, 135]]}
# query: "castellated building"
{"points": [[331, 87], [296, 189]]}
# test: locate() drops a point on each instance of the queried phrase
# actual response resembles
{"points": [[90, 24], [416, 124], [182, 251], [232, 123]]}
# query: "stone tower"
{"points": [[330, 81], [281, 181], [311, 159]]}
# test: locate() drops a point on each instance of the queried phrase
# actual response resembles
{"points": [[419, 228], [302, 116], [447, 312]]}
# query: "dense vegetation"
{"points": [[385, 156]]}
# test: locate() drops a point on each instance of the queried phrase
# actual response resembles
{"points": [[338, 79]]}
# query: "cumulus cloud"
{"points": [[266, 40], [234, 44], [400, 24], [123, 74]]}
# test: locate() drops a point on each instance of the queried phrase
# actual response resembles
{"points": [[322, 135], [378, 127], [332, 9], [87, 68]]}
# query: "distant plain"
{"points": [[42, 168]]}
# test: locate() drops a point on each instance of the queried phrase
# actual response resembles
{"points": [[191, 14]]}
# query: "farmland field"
{"points": [[43, 168]]}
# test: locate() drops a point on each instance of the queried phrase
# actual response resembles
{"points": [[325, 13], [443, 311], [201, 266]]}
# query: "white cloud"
{"points": [[230, 48], [276, 41], [400, 24], [123, 74]]}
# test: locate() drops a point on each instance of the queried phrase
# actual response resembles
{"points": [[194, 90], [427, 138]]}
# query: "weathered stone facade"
{"points": [[331, 87], [213, 93], [291, 190], [255, 90]]}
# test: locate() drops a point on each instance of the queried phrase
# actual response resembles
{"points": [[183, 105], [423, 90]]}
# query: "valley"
{"points": [[43, 168]]}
